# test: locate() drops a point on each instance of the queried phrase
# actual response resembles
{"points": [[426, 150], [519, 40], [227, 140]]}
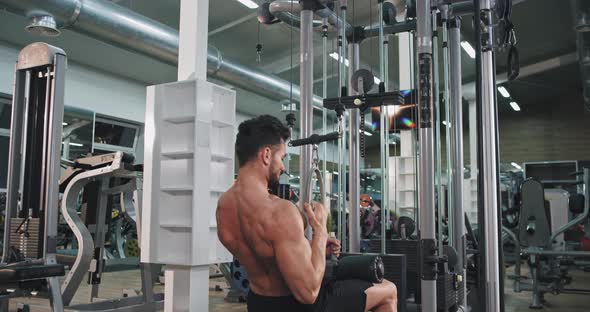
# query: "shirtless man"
{"points": [[266, 234]]}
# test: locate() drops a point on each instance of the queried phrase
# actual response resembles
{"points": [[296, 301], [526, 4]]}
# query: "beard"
{"points": [[273, 182], [273, 179]]}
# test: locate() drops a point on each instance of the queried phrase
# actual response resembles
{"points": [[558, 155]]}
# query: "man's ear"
{"points": [[266, 155]]}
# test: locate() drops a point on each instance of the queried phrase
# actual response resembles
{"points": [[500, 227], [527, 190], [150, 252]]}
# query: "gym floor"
{"points": [[114, 283]]}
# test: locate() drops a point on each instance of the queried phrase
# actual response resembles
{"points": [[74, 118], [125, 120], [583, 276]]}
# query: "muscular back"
{"points": [[245, 222]]}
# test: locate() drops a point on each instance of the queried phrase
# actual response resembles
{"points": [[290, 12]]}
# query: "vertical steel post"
{"points": [[385, 192], [324, 110], [342, 220], [306, 104], [384, 135], [426, 157], [354, 152], [447, 126], [488, 179], [437, 136], [456, 122]]}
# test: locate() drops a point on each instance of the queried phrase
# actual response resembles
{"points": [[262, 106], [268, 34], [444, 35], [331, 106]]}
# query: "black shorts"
{"points": [[336, 296], [342, 296]]}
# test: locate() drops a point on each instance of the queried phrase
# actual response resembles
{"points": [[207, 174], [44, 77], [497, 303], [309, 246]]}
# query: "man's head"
{"points": [[365, 200], [261, 142]]}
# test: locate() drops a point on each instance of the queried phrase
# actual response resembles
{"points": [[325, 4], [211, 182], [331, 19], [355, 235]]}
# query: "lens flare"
{"points": [[408, 123]]}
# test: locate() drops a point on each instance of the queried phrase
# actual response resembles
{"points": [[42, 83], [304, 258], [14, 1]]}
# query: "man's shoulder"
{"points": [[226, 197], [285, 216], [281, 208]]}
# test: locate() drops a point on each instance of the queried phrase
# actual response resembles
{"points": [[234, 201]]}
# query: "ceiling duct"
{"points": [[581, 12], [121, 27]]}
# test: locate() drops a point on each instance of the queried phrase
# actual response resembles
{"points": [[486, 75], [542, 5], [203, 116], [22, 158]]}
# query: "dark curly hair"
{"points": [[256, 133]]}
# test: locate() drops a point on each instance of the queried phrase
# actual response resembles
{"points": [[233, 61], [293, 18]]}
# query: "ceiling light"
{"points": [[337, 57], [515, 106], [515, 165], [504, 92], [335, 173], [448, 124], [377, 80], [367, 133], [76, 144], [249, 3], [64, 123], [468, 49]]}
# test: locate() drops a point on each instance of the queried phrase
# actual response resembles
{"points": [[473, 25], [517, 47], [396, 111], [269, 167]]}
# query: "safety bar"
{"points": [[366, 100], [555, 253], [315, 139]]}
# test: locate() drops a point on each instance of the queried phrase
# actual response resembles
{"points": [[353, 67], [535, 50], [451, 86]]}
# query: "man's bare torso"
{"points": [[244, 221]]}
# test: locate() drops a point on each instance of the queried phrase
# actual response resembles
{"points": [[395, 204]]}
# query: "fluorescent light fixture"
{"points": [[335, 172], [64, 123], [515, 106], [337, 57], [377, 80], [367, 133], [468, 49], [504, 92], [76, 144], [393, 110], [515, 165], [249, 3]]}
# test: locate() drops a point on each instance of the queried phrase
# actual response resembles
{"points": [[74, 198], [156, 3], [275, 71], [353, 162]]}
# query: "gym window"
{"points": [[5, 111], [115, 135]]}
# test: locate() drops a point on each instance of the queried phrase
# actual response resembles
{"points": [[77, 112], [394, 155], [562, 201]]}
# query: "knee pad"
{"points": [[364, 267]]}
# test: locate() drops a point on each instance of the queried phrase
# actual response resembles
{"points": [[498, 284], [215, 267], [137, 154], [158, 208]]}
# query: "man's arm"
{"points": [[302, 263]]}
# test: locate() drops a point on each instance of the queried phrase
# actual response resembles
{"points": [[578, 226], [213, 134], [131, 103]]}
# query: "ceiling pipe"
{"points": [[396, 28], [465, 7], [287, 11], [121, 27]]}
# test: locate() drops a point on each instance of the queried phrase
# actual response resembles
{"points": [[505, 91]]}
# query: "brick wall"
{"points": [[556, 130]]}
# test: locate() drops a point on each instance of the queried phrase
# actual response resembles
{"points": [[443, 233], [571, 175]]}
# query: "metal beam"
{"points": [[232, 24], [527, 71], [283, 63]]}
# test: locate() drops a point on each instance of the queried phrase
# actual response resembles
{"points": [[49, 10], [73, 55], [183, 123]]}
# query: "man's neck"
{"points": [[253, 178]]}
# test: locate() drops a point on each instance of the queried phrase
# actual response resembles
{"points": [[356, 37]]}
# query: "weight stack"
{"points": [[447, 295], [24, 236]]}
